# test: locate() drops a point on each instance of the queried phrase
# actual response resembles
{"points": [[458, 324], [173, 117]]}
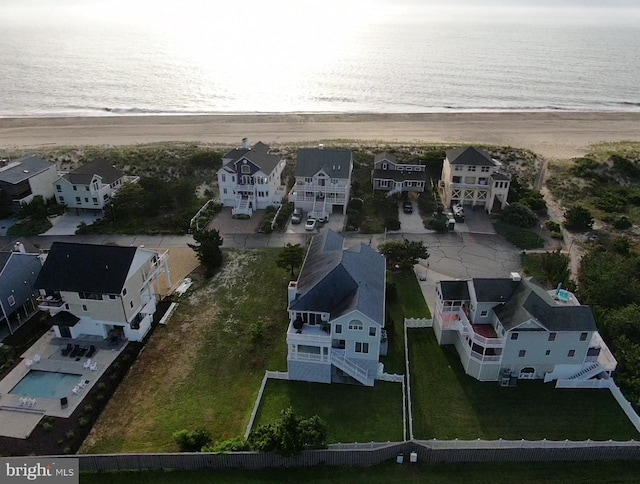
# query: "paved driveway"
{"points": [[67, 223], [226, 224], [475, 221], [411, 223]]}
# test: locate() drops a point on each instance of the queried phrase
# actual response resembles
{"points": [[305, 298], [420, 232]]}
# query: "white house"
{"points": [[336, 313], [90, 186], [23, 179], [251, 178], [471, 177], [100, 290], [513, 327], [392, 176], [323, 181]]}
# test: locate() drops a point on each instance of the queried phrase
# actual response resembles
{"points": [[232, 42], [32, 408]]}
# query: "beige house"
{"points": [[505, 328], [470, 177], [100, 290]]}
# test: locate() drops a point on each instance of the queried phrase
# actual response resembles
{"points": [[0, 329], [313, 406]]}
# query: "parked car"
{"points": [[296, 217], [458, 212], [310, 224], [407, 206]]}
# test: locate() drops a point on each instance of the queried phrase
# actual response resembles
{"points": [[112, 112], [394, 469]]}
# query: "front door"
{"points": [[65, 332]]}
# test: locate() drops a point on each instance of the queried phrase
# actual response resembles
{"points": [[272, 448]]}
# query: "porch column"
{"points": [[167, 273]]}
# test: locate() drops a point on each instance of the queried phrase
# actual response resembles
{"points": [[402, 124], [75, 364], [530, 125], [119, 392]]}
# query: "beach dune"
{"points": [[551, 134]]}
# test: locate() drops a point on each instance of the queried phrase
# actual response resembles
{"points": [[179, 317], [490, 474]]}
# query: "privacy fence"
{"points": [[432, 452]]}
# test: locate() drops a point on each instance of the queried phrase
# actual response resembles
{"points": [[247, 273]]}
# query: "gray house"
{"points": [[18, 273], [25, 178], [514, 327], [336, 312], [393, 177]]}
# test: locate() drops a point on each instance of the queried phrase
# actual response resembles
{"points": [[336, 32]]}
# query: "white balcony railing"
{"points": [[301, 355], [456, 319], [308, 334], [605, 358]]}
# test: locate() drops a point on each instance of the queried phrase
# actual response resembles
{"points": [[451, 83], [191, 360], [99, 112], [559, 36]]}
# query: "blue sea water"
{"points": [[317, 61]]}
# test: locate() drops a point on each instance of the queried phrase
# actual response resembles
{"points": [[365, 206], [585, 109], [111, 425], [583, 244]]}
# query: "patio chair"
{"points": [[22, 401], [28, 362], [76, 350], [87, 364], [67, 350], [36, 358], [94, 366], [92, 350], [31, 402], [76, 390], [82, 383]]}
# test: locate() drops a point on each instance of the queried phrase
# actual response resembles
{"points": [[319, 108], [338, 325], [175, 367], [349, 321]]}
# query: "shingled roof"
{"points": [[74, 267], [336, 281], [258, 155], [469, 156], [335, 163], [22, 169], [101, 167]]}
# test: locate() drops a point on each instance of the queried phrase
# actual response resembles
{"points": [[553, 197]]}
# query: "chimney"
{"points": [[19, 247], [292, 291], [245, 144]]}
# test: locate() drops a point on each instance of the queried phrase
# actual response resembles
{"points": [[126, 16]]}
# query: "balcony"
{"points": [[313, 187], [310, 333], [605, 358], [49, 303], [454, 318]]}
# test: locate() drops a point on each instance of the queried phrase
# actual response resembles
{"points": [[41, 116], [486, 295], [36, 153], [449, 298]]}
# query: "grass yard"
{"points": [[448, 404], [462, 473], [521, 238], [410, 303], [205, 367], [352, 413]]}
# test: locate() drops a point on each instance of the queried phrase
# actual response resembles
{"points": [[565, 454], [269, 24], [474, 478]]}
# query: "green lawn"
{"points": [[448, 404], [410, 303], [205, 367], [460, 473], [353, 413]]}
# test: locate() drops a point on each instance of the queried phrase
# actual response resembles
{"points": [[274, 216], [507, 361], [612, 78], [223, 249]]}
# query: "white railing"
{"points": [[202, 209], [601, 383], [308, 357], [418, 322], [312, 187], [277, 375], [345, 364], [626, 407], [605, 358], [484, 358], [467, 329], [157, 268], [390, 377], [521, 444]]}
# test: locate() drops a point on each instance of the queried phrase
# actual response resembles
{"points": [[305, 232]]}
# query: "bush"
{"points": [[231, 445], [47, 427], [392, 224], [519, 215], [622, 223], [70, 435], [557, 235], [521, 238], [192, 440], [439, 224], [578, 218], [83, 422], [552, 226]]}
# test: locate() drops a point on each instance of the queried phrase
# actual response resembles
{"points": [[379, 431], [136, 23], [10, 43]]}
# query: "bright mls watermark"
{"points": [[40, 469]]}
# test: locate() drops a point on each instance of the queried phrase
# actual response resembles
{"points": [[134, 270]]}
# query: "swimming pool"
{"points": [[46, 384]]}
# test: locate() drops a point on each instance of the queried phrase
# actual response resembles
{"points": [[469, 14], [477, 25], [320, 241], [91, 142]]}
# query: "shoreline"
{"points": [[554, 134]]}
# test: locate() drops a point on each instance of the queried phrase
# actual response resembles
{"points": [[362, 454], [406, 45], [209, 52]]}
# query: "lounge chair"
{"points": [[28, 362], [76, 390], [76, 350], [36, 358], [94, 366], [87, 364], [67, 350], [31, 402], [22, 401], [92, 350], [82, 383]]}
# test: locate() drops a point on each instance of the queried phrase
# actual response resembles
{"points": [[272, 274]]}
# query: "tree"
{"points": [[554, 267], [578, 218], [403, 254], [207, 248], [291, 258], [519, 215]]}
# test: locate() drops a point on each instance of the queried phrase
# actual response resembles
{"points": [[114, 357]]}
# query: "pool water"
{"points": [[46, 384]]}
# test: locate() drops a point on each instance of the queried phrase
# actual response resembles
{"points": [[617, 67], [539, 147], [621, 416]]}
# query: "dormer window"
{"points": [[384, 166], [246, 169]]}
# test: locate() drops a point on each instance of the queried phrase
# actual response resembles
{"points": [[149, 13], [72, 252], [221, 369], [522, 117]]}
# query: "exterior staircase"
{"points": [[397, 188], [242, 208], [586, 373], [339, 360], [319, 211]]}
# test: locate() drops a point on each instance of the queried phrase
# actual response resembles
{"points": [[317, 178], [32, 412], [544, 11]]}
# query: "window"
{"points": [[90, 295], [86, 188], [334, 181], [583, 336], [547, 353], [124, 291], [458, 168], [112, 296], [78, 199], [224, 190], [472, 168], [484, 314], [105, 197], [61, 199], [223, 178], [59, 188], [355, 325], [484, 169], [131, 304], [571, 353], [384, 183], [245, 169], [338, 328], [384, 166], [362, 347], [308, 180], [372, 331], [95, 201], [552, 336], [514, 336], [457, 179], [75, 188], [522, 353], [11, 300], [84, 307], [86, 200]]}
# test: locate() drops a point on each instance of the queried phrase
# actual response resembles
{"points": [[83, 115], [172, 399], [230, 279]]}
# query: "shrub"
{"points": [[557, 235], [519, 215], [47, 427], [439, 224], [102, 386], [622, 223], [70, 435], [231, 445], [88, 408], [392, 224], [83, 421], [60, 441], [67, 450], [578, 218], [521, 238], [552, 226], [100, 397], [192, 440]]}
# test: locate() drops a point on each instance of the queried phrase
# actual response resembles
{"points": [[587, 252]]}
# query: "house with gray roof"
{"points": [[513, 328], [25, 178], [91, 186], [336, 312], [393, 176], [251, 178], [102, 291], [323, 181], [18, 273], [472, 178]]}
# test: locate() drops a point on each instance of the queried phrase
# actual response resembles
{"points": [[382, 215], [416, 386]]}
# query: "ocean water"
{"points": [[322, 59]]}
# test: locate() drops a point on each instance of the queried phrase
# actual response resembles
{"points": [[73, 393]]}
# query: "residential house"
{"points": [[513, 327], [100, 290], [394, 177], [23, 179], [18, 273], [91, 186], [336, 313], [471, 177], [323, 181], [251, 178]]}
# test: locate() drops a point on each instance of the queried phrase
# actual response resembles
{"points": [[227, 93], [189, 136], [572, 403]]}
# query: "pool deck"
{"points": [[18, 421]]}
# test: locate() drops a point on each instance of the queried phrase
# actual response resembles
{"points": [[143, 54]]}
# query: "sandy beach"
{"points": [[554, 135]]}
